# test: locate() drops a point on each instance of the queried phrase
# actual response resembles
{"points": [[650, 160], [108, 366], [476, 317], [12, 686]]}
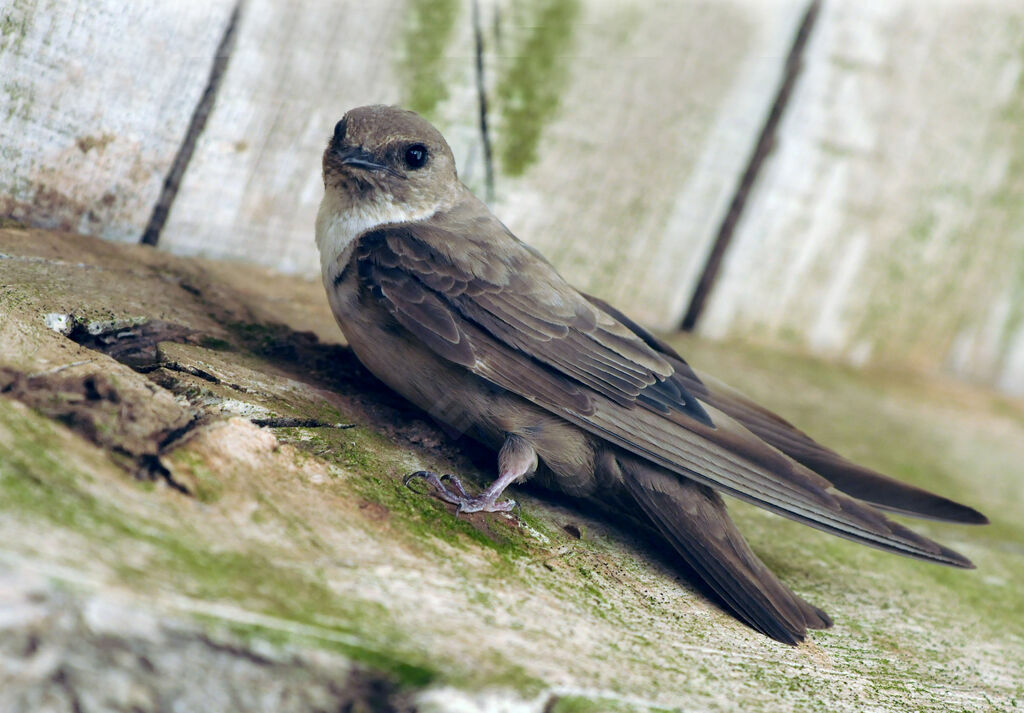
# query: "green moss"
{"points": [[581, 704], [12, 31], [37, 482], [207, 487], [378, 467], [20, 98], [530, 84], [406, 674], [425, 518], [425, 37], [259, 338], [216, 344], [296, 526], [923, 227], [8, 223]]}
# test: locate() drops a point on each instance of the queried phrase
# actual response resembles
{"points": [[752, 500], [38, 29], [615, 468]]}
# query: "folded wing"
{"points": [[503, 312], [853, 479]]}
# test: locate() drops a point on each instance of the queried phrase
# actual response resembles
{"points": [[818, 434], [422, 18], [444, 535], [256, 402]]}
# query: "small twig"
{"points": [[285, 422]]}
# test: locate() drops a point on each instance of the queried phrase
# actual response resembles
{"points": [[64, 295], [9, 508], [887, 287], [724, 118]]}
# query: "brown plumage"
{"points": [[441, 302]]}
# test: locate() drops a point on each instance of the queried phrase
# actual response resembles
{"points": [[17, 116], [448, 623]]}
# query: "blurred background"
{"points": [[845, 178]]}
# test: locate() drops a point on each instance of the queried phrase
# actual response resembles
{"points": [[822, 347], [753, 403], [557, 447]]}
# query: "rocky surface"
{"points": [[62, 650], [201, 508]]}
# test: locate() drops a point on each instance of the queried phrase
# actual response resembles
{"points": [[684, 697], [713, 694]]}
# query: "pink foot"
{"points": [[457, 495]]}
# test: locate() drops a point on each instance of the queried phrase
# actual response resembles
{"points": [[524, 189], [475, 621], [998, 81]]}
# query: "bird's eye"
{"points": [[416, 156], [339, 131]]}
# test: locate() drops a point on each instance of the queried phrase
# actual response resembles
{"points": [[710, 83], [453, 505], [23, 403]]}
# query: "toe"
{"points": [[425, 474], [456, 484]]}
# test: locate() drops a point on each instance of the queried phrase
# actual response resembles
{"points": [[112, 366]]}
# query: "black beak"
{"points": [[355, 156]]}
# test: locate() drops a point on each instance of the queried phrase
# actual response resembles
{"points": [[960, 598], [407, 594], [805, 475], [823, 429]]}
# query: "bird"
{"points": [[439, 300]]}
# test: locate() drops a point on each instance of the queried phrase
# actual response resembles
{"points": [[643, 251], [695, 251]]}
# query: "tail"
{"points": [[694, 520]]}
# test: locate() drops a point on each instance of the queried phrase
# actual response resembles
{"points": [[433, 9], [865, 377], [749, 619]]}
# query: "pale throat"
{"points": [[340, 221]]}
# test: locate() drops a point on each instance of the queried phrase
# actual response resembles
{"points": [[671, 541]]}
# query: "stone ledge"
{"points": [[237, 545]]}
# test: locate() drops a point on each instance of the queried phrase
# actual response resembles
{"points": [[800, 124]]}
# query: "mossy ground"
{"points": [[307, 537]]}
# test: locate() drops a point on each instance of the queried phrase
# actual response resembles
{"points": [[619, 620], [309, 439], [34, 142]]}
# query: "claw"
{"points": [[456, 483], [418, 474], [435, 482], [516, 459], [457, 495]]}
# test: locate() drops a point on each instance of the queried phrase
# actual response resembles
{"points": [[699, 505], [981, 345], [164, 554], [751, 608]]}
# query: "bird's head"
{"points": [[389, 158]]}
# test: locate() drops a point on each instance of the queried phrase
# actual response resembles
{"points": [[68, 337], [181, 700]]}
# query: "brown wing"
{"points": [[477, 296], [432, 275], [856, 480]]}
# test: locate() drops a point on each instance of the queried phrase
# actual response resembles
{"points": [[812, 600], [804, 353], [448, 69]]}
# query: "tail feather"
{"points": [[694, 520]]}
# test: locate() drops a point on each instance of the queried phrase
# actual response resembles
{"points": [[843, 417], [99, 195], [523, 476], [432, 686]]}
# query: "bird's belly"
{"points": [[463, 402], [467, 404]]}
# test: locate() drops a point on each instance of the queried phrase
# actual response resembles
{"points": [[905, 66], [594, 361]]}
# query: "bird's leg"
{"points": [[516, 459]]}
